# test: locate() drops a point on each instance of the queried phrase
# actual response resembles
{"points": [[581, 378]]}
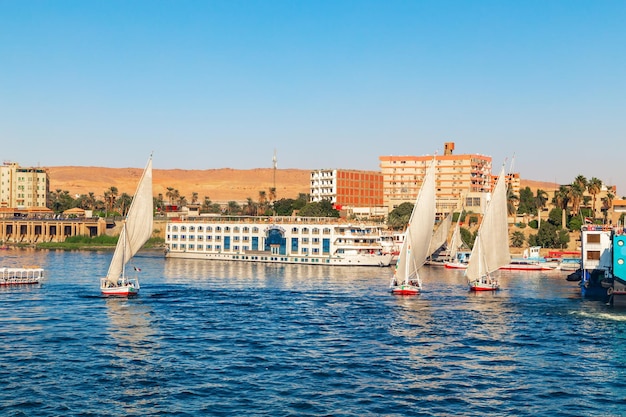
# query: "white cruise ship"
{"points": [[292, 240]]}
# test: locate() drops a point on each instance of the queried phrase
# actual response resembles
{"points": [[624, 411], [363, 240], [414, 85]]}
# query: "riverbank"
{"points": [[84, 243]]}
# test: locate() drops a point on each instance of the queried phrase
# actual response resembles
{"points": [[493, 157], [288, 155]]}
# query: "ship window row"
{"points": [[246, 229], [210, 229], [304, 240], [314, 231], [236, 248], [185, 247]]}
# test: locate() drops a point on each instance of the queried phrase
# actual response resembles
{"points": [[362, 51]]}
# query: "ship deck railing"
{"points": [[277, 220], [8, 274]]}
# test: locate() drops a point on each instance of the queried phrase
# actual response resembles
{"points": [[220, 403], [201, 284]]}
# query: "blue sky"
{"points": [[328, 84]]}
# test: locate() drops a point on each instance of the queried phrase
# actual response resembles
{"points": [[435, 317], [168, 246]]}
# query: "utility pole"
{"points": [[275, 164]]}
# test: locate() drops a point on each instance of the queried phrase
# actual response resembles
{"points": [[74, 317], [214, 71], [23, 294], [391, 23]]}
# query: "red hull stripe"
{"points": [[483, 289]]}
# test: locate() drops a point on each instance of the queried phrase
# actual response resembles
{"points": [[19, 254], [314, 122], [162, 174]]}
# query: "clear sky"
{"points": [[328, 84]]}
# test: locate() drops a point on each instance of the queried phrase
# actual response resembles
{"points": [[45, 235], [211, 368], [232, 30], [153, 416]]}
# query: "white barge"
{"points": [[286, 240], [21, 276]]}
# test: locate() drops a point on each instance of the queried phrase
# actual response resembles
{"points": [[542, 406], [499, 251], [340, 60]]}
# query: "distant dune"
{"points": [[548, 187], [220, 185]]}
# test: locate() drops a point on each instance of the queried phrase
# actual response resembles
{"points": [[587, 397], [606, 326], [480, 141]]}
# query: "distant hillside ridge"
{"points": [[220, 185]]}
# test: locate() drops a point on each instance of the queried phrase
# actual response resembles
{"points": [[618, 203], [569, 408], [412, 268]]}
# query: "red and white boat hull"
{"points": [[405, 290], [521, 266], [489, 285], [127, 288], [455, 265]]}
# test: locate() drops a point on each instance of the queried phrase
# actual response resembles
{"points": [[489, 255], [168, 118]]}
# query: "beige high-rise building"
{"points": [[461, 180], [21, 188]]}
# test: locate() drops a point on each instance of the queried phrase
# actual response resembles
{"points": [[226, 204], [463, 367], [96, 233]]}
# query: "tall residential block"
{"points": [[347, 188], [461, 180], [21, 188]]}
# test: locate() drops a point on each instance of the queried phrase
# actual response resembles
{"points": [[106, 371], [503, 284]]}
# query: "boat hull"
{"points": [[405, 290], [382, 260], [125, 288], [528, 267], [124, 291], [455, 265], [20, 282], [484, 286]]}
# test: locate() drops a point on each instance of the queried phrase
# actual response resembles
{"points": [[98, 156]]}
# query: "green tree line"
{"points": [[115, 204]]}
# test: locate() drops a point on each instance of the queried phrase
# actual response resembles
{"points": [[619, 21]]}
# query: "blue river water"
{"points": [[225, 339]]}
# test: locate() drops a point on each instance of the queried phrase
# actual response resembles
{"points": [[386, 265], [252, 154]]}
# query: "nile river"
{"points": [[230, 339]]}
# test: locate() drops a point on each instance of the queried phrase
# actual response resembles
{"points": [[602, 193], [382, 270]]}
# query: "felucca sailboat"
{"points": [[491, 247], [417, 237], [136, 230]]}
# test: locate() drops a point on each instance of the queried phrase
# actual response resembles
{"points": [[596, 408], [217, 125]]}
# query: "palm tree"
{"points": [[517, 239], [607, 202], [86, 201], [91, 200], [262, 201], [61, 200], [540, 202], [581, 181], [109, 196], [593, 187], [123, 203], [159, 201], [561, 200], [206, 203], [579, 186], [233, 207], [576, 191], [172, 195], [250, 207], [512, 200], [273, 197], [194, 197]]}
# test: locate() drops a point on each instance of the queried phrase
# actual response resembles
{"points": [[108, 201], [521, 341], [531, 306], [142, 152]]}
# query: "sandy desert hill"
{"points": [[220, 185]]}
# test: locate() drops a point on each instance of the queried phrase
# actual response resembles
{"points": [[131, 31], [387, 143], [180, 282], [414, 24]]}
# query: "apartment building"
{"points": [[360, 192], [21, 188], [461, 180]]}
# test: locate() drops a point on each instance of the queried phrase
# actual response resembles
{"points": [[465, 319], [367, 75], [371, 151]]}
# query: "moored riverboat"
{"points": [[596, 264], [278, 239], [21, 276]]}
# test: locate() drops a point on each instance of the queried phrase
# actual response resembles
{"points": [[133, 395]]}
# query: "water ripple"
{"points": [[223, 339]]}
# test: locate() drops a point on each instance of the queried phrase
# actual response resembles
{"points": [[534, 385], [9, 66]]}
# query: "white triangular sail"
{"points": [[440, 237], [137, 226], [456, 242], [491, 247], [419, 232]]}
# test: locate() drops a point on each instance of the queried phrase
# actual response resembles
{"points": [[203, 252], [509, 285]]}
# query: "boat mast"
{"points": [[124, 260]]}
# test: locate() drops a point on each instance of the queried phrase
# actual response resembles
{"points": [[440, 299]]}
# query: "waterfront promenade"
{"points": [[35, 229]]}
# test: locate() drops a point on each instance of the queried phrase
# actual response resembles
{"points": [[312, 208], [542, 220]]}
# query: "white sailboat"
{"points": [[136, 230], [439, 239], [417, 237], [491, 247], [457, 257]]}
